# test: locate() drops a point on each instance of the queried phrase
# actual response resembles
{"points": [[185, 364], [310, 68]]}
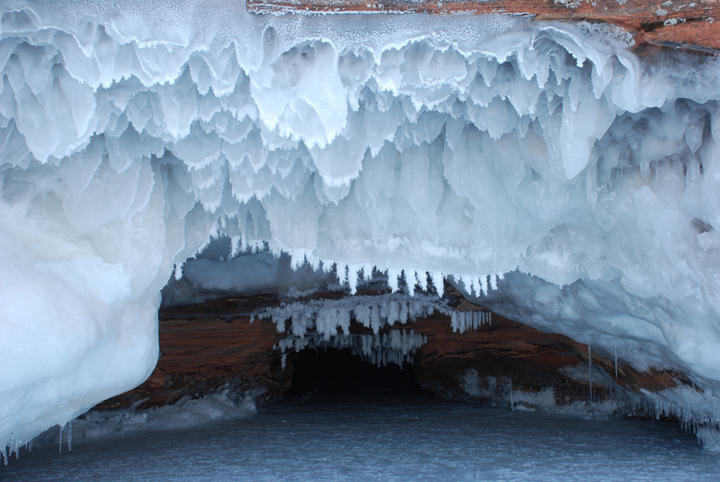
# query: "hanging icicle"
{"points": [[590, 371]]}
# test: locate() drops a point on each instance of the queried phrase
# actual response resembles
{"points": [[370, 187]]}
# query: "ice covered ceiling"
{"points": [[543, 168]]}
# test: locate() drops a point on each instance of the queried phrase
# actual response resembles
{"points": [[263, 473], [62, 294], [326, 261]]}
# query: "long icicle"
{"points": [[590, 370], [615, 357]]}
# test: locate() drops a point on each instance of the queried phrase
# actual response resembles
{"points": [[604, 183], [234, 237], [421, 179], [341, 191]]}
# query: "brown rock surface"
{"points": [[207, 345], [201, 353], [681, 22], [519, 358]]}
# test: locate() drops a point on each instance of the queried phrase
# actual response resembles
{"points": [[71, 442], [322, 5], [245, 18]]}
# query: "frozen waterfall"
{"points": [[542, 168]]}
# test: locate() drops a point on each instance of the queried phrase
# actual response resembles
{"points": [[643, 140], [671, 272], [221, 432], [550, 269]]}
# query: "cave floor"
{"points": [[383, 436]]}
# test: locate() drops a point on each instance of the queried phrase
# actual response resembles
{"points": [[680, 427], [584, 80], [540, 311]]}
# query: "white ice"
{"points": [[423, 147]]}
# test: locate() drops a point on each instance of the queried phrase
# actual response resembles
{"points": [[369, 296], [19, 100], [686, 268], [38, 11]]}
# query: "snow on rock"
{"points": [[185, 413], [419, 146], [188, 412]]}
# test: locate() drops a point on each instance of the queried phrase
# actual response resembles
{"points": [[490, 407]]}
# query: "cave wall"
{"points": [[219, 345]]}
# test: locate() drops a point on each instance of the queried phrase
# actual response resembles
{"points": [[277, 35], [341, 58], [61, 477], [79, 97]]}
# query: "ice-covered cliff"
{"points": [[542, 168]]}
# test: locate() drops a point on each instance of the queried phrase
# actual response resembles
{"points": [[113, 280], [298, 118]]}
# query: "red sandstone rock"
{"points": [[682, 22], [201, 354], [208, 345]]}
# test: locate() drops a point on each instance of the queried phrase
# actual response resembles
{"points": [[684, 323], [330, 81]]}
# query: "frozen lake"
{"points": [[392, 437]]}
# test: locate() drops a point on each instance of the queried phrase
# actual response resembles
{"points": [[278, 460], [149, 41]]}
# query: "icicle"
{"points": [[234, 246], [483, 284], [283, 361], [421, 277], [60, 436], [297, 259], [69, 435], [403, 313], [315, 264], [179, 271], [616, 342], [438, 281], [342, 275], [493, 281], [467, 284], [590, 370], [410, 281], [3, 451], [353, 278], [393, 276]]}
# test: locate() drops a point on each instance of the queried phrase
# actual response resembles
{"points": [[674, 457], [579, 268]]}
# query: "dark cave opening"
{"points": [[338, 372]]}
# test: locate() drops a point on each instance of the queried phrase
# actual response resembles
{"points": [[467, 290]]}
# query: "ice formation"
{"points": [[395, 346], [462, 321], [423, 147], [325, 317], [326, 324]]}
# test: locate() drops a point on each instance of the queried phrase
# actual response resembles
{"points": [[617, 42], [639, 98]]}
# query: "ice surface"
{"points": [[385, 438], [423, 147], [186, 413]]}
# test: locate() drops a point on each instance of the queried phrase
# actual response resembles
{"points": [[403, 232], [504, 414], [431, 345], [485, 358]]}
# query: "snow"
{"points": [[186, 413], [541, 159]]}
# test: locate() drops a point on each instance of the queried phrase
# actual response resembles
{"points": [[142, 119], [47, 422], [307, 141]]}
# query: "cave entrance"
{"points": [[334, 371]]}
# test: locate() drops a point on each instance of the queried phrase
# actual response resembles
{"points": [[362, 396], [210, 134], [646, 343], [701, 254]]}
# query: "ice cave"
{"points": [[371, 237]]}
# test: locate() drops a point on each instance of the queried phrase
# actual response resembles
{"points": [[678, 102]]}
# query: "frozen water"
{"points": [[384, 438], [421, 147], [395, 346]]}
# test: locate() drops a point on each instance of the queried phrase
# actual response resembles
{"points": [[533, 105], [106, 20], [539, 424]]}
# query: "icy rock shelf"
{"points": [[462, 147]]}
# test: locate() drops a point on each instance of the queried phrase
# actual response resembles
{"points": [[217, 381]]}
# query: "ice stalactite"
{"points": [[453, 146], [395, 346], [463, 321], [590, 373], [325, 317]]}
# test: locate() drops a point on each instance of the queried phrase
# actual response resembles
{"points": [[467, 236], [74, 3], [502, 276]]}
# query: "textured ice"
{"points": [[419, 146]]}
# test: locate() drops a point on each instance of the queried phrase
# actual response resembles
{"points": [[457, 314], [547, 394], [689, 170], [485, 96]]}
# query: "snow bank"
{"points": [[414, 145], [185, 413]]}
